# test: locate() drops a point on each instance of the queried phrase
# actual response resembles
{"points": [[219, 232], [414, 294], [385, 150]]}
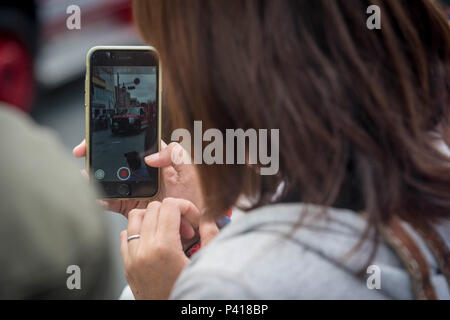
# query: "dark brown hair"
{"points": [[356, 108]]}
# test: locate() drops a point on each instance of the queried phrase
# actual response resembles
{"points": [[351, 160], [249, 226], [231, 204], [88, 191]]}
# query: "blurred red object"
{"points": [[39, 51], [16, 73], [18, 43]]}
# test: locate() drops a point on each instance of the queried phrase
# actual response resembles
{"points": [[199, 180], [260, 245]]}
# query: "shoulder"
{"points": [[47, 202], [38, 172], [260, 255]]}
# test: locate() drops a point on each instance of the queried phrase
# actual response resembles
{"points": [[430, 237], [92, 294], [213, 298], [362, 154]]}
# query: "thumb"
{"points": [[173, 155]]}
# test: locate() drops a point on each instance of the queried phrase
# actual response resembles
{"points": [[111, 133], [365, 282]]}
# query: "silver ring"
{"points": [[135, 236]]}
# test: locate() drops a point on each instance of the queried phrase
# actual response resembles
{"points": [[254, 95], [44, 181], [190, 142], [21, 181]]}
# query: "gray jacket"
{"points": [[255, 257], [49, 219]]}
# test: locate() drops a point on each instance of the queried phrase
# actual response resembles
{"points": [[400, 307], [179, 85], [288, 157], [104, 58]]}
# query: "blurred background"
{"points": [[42, 65]]}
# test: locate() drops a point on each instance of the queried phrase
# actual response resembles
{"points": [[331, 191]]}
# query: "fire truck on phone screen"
{"points": [[133, 119]]}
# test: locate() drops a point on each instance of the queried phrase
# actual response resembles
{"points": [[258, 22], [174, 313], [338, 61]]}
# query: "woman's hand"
{"points": [[179, 180], [154, 261], [180, 177]]}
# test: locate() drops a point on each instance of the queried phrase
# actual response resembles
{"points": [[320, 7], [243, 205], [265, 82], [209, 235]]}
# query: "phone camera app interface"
{"points": [[123, 118]]}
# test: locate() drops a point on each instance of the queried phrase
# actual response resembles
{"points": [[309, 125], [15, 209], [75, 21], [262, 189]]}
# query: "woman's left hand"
{"points": [[154, 261]]}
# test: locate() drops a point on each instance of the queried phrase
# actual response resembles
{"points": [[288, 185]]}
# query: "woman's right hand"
{"points": [[179, 179]]}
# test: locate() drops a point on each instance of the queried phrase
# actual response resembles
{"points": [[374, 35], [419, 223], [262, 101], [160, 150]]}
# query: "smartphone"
{"points": [[123, 119]]}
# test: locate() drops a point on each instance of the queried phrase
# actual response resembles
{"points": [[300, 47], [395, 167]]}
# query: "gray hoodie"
{"points": [[258, 256]]}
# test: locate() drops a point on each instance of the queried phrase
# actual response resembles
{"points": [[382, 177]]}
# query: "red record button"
{"points": [[123, 173]]}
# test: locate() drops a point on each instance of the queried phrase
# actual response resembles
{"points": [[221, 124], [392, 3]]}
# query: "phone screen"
{"points": [[123, 121]]}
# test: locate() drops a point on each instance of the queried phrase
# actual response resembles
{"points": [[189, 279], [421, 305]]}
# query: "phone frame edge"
{"points": [[87, 108]]}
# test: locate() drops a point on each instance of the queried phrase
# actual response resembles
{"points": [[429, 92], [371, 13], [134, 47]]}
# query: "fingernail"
{"points": [[152, 157], [76, 147]]}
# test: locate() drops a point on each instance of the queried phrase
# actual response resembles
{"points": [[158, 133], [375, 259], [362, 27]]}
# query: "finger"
{"points": [[208, 230], [173, 155], [169, 173], [84, 174], [124, 248], [186, 229], [172, 211], [189, 212], [135, 217], [80, 150], [151, 157], [150, 221]]}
